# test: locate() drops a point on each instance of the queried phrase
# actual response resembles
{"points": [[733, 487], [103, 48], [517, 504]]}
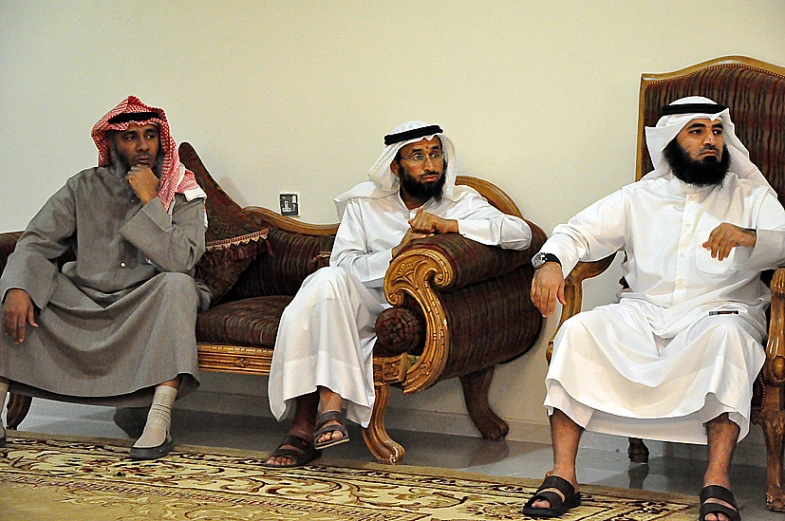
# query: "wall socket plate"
{"points": [[290, 203]]}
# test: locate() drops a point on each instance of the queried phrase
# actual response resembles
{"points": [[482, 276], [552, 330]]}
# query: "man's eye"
{"points": [[418, 157]]}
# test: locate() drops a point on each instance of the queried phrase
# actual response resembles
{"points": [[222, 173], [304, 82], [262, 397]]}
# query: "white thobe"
{"points": [[326, 335], [659, 364]]}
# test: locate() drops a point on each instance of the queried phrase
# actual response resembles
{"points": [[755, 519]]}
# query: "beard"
{"points": [[415, 188], [697, 172], [123, 166]]}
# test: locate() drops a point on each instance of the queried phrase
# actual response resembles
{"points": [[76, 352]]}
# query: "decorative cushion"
{"points": [[399, 330], [224, 260], [247, 322], [228, 232]]}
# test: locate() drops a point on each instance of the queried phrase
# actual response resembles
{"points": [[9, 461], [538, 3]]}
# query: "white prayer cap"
{"points": [[677, 115], [383, 181]]}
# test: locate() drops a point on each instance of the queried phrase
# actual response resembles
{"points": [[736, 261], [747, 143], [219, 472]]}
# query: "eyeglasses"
{"points": [[419, 158]]}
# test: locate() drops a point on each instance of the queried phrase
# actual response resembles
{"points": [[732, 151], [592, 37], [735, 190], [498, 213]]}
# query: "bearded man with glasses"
{"points": [[323, 357]]}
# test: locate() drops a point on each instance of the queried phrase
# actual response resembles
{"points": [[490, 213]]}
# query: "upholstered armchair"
{"points": [[755, 93], [459, 308]]}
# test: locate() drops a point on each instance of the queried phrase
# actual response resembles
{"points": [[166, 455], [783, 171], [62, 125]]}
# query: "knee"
{"points": [[179, 286], [328, 282]]}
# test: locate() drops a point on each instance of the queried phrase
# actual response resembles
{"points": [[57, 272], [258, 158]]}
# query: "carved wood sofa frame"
{"points": [[755, 93]]}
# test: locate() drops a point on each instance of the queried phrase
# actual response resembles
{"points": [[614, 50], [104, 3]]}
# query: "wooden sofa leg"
{"points": [[772, 422], [475, 391], [18, 407], [637, 451], [385, 449]]}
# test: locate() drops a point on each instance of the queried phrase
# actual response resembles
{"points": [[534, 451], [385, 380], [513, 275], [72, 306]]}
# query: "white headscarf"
{"points": [[383, 181], [668, 127]]}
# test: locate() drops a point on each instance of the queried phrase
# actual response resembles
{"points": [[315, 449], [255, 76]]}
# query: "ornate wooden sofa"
{"points": [[755, 93], [459, 308]]}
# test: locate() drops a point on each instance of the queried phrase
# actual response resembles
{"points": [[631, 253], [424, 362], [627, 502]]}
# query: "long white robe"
{"points": [[658, 365], [326, 335]]}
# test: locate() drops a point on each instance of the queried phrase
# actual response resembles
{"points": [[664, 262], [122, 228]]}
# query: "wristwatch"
{"points": [[541, 258]]}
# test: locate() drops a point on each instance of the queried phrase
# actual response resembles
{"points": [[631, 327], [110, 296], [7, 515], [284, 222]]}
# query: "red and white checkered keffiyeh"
{"points": [[174, 176]]}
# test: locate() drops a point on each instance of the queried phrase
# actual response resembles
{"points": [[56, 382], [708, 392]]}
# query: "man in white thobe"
{"points": [[676, 358], [324, 348]]}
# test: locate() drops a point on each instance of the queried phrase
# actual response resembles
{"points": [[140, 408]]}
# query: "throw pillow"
{"points": [[234, 237], [225, 259]]}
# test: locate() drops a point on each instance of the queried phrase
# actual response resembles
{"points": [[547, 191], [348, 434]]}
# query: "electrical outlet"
{"points": [[290, 203]]}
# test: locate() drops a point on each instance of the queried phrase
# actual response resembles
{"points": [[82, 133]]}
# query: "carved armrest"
{"points": [[774, 367], [460, 286], [464, 261], [7, 245], [573, 291]]}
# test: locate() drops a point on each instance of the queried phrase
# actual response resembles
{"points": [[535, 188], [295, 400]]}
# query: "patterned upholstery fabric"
{"points": [[248, 322], [757, 107], [474, 262], [399, 330], [292, 258], [226, 220]]}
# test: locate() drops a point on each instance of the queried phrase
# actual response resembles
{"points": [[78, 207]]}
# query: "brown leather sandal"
{"points": [[322, 428], [302, 454]]}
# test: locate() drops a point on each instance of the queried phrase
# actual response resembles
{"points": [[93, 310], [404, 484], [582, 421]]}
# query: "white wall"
{"points": [[540, 97]]}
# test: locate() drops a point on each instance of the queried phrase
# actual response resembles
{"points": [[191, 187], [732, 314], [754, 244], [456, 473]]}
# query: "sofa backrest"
{"points": [[291, 258]]}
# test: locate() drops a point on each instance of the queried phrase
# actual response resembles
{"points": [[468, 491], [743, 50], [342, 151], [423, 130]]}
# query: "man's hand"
{"points": [[408, 237], [18, 311], [424, 222], [727, 236], [144, 183], [547, 286]]}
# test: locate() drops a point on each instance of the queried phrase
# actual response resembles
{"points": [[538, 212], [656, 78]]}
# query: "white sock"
{"points": [[3, 393], [159, 419]]}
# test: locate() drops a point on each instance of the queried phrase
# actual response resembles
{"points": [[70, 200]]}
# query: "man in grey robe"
{"points": [[114, 326]]}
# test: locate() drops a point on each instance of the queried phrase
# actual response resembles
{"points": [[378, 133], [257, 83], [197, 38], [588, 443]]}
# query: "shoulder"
{"points": [[87, 176], [360, 194], [461, 192], [747, 186]]}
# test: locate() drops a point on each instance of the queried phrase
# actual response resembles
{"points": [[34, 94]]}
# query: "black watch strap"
{"points": [[542, 258]]}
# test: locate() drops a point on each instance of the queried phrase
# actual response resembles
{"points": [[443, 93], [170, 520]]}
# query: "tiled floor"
{"points": [[520, 459]]}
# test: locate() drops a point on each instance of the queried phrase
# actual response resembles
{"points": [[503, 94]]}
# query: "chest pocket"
{"points": [[735, 261]]}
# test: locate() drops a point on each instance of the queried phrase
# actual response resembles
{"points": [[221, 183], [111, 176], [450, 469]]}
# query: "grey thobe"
{"points": [[118, 320]]}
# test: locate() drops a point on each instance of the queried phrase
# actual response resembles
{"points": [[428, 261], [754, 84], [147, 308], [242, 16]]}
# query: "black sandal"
{"points": [[302, 454], [718, 492], [322, 428], [559, 493]]}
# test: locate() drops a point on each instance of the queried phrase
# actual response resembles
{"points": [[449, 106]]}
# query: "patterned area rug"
{"points": [[68, 479]]}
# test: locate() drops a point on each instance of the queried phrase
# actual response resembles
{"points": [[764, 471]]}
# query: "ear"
{"points": [[394, 166]]}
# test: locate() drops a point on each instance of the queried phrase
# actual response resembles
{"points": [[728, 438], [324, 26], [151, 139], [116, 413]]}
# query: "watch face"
{"points": [[538, 260]]}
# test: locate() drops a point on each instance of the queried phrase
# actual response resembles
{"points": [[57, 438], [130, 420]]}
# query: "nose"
{"points": [[710, 138], [428, 161], [142, 144]]}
